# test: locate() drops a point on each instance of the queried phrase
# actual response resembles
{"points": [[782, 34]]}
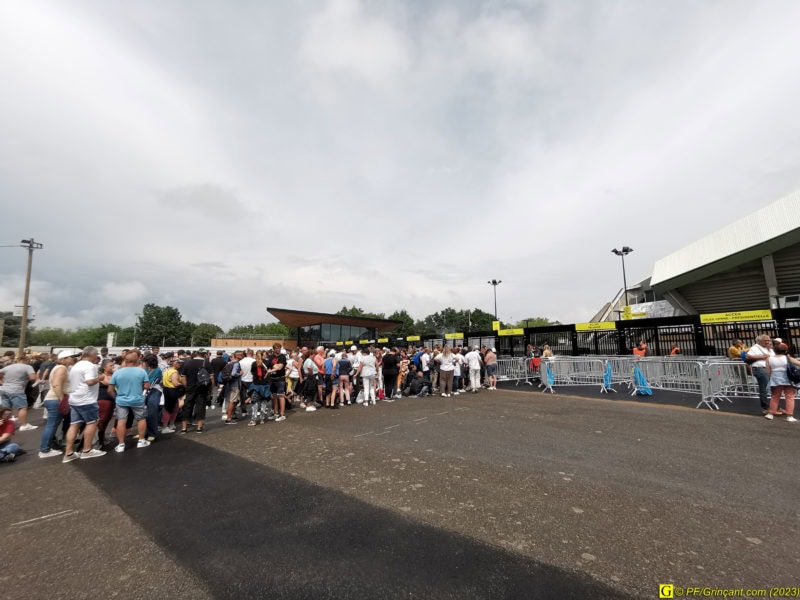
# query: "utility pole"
{"points": [[31, 245]]}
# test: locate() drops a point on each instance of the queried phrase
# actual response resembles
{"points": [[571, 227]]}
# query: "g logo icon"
{"points": [[666, 590]]}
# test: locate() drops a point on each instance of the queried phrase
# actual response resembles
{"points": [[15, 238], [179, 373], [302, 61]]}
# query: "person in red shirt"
{"points": [[8, 449]]}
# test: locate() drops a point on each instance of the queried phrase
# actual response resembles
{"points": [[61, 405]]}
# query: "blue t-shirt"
{"points": [[128, 381], [155, 376]]}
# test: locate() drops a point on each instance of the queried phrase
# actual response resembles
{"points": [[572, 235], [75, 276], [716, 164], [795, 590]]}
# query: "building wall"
{"points": [[289, 344]]}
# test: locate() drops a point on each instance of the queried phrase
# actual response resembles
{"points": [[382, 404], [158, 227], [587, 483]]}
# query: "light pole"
{"points": [[137, 315], [622, 254], [31, 246], [494, 283]]}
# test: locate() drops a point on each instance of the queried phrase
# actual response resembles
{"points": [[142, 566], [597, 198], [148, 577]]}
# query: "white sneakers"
{"points": [[790, 419], [142, 444], [49, 453], [309, 408], [28, 427], [93, 453]]}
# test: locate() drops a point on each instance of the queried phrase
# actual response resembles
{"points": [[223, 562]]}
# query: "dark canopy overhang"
{"points": [[302, 318]]}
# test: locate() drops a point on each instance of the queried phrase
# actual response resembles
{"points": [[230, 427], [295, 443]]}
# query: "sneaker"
{"points": [[69, 457], [790, 419], [121, 447], [251, 424], [184, 431], [281, 418], [10, 457], [151, 438], [444, 395], [309, 408], [231, 422], [49, 454], [28, 427], [272, 417], [769, 416], [142, 444], [199, 430], [372, 402], [389, 399], [93, 453], [212, 407]]}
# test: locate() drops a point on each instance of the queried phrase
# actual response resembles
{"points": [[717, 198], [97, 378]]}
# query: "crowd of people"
{"points": [[147, 394]]}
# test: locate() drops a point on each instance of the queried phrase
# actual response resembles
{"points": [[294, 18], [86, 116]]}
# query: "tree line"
{"points": [[164, 326]]}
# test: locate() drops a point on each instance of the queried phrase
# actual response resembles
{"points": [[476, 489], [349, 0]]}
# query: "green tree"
{"points": [[407, 325], [51, 336], [11, 327], [355, 311], [205, 332], [276, 329], [161, 326], [534, 322]]}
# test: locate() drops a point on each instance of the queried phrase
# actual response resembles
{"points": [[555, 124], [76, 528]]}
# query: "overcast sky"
{"points": [[222, 157]]}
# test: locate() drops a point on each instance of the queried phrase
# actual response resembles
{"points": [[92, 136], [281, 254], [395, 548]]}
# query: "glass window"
{"points": [[326, 332]]}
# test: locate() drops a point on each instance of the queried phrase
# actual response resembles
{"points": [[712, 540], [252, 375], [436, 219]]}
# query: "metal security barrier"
{"points": [[574, 371], [726, 380], [673, 375]]}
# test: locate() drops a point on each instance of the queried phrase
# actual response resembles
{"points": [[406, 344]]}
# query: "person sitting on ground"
{"points": [[8, 449], [418, 387]]}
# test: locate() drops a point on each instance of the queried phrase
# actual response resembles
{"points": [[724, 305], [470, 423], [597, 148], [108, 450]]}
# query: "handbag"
{"points": [[63, 405], [792, 372]]}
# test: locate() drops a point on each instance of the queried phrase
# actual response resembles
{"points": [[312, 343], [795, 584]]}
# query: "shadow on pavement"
{"points": [[250, 531]]}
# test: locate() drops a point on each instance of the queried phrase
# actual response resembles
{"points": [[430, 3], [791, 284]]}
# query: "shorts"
{"points": [[278, 386], [138, 412], [491, 369], [16, 401], [85, 413]]}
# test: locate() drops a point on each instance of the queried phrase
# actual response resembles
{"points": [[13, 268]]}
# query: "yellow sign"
{"points": [[602, 326], [744, 315], [363, 341], [639, 315], [626, 313], [454, 336], [340, 343], [413, 338], [495, 325], [383, 340], [511, 332], [349, 342]]}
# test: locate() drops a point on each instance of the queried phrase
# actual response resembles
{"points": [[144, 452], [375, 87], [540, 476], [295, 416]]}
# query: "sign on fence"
{"points": [[743, 315], [602, 326]]}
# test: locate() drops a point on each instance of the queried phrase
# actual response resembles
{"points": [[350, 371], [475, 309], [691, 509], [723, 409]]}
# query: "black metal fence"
{"points": [[661, 335]]}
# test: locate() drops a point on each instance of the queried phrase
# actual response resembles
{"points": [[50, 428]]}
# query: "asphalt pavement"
{"points": [[502, 494]]}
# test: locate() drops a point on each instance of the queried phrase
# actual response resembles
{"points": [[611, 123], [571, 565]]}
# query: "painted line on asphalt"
{"points": [[58, 515], [421, 419], [392, 426], [362, 434], [441, 413]]}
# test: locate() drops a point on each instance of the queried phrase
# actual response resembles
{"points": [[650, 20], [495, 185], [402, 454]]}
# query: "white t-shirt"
{"points": [[425, 360], [473, 359], [80, 393], [368, 365], [246, 364], [446, 362], [458, 364], [758, 350]]}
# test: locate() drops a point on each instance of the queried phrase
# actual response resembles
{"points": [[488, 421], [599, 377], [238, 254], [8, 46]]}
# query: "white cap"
{"points": [[283, 350], [331, 352], [353, 348], [67, 354]]}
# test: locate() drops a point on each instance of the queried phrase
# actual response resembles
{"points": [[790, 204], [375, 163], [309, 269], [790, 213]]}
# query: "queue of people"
{"points": [[147, 394]]}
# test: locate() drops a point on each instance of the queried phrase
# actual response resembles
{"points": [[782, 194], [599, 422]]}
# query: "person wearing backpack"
{"points": [[231, 376], [784, 375], [198, 383]]}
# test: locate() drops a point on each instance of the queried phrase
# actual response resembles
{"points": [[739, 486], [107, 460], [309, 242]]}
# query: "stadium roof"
{"points": [[767, 230], [302, 318]]}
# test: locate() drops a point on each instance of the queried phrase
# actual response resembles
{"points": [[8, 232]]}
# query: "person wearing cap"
{"points": [[490, 359], [331, 367], [59, 387]]}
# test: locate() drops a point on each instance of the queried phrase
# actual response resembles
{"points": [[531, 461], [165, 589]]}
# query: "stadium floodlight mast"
{"points": [[31, 245], [622, 254], [494, 283]]}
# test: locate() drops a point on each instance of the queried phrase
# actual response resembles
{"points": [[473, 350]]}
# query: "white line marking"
{"points": [[362, 434], [382, 433], [422, 419], [392, 426], [442, 413], [458, 409], [63, 513]]}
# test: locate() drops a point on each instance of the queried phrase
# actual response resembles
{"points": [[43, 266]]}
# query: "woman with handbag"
{"points": [[59, 390], [778, 367]]}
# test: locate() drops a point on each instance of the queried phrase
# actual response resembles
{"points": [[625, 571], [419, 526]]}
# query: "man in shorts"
{"points": [[128, 385], [277, 382], [83, 406], [14, 379]]}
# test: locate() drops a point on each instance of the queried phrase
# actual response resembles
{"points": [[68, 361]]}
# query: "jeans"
{"points": [[54, 419], [456, 383], [425, 390], [153, 403], [760, 373], [8, 448]]}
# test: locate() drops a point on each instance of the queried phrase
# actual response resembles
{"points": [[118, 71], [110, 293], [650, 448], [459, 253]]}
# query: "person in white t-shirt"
{"points": [[83, 406], [246, 365], [425, 364], [473, 359], [367, 369], [757, 358]]}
